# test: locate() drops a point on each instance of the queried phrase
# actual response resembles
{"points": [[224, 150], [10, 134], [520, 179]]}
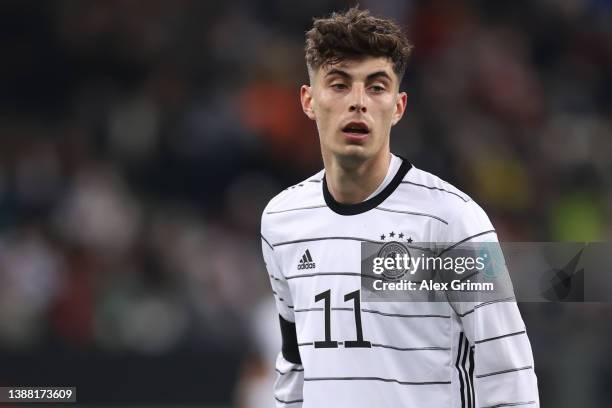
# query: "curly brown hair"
{"points": [[353, 35]]}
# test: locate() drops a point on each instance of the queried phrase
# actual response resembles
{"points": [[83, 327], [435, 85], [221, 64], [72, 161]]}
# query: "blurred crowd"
{"points": [[140, 141]]}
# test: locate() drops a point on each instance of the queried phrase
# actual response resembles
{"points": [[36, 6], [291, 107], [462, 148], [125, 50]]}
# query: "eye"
{"points": [[338, 86], [377, 88]]}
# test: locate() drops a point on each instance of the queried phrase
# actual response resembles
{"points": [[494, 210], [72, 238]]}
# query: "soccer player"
{"points": [[338, 350]]}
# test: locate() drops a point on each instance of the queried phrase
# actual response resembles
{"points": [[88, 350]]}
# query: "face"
{"points": [[355, 103]]}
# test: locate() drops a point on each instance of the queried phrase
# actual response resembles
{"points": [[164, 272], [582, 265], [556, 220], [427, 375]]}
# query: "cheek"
{"points": [[325, 103], [325, 111], [386, 113]]}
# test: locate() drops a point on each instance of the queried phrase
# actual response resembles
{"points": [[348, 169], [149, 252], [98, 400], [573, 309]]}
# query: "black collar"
{"points": [[367, 205]]}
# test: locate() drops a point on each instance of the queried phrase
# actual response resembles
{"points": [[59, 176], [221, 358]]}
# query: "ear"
{"points": [[307, 102], [400, 107]]}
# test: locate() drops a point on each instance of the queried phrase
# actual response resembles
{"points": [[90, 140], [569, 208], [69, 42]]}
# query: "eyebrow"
{"points": [[344, 74]]}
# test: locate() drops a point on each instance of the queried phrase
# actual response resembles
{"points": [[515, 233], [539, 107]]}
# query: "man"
{"points": [[340, 351]]}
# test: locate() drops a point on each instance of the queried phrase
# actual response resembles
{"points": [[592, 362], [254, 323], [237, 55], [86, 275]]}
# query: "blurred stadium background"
{"points": [[140, 140]]}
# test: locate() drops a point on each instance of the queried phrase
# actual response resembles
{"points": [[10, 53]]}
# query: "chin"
{"points": [[354, 152]]}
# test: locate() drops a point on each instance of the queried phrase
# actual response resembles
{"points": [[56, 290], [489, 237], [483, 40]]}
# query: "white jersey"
{"points": [[421, 354]]}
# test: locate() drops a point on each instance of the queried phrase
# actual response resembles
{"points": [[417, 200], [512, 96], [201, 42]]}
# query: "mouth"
{"points": [[356, 131]]}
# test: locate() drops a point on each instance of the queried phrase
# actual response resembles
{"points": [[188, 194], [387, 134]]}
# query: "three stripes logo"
{"points": [[465, 369], [306, 262]]}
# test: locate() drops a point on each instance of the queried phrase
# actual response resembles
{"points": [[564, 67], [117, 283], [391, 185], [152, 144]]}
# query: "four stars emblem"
{"points": [[392, 235]]}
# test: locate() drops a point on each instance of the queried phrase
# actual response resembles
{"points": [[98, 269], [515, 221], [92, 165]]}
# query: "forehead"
{"points": [[360, 68]]}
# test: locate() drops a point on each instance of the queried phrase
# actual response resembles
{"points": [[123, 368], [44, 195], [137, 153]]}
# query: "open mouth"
{"points": [[356, 130]]}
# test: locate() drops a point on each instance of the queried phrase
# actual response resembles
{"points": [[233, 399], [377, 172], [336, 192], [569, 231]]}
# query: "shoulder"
{"points": [[306, 193], [463, 215], [433, 187]]}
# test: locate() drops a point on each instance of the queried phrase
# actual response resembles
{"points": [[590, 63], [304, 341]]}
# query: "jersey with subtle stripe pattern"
{"points": [[418, 354]]}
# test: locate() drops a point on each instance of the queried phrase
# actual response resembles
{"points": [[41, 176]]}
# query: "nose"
{"points": [[358, 100]]}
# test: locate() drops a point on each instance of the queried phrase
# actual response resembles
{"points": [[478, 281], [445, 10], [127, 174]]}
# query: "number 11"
{"points": [[329, 343]]}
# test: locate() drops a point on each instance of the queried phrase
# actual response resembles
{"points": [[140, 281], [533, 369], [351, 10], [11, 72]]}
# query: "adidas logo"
{"points": [[306, 262]]}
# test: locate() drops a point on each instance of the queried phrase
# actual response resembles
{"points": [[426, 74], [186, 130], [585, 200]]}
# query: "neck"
{"points": [[350, 181]]}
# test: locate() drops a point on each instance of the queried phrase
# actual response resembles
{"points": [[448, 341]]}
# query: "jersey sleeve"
{"points": [[289, 371], [495, 335]]}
